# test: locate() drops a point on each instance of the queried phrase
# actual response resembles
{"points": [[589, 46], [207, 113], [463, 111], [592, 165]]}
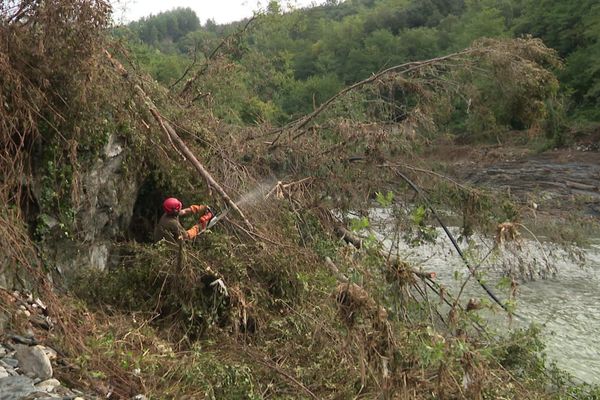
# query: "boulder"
{"points": [[33, 361], [48, 385]]}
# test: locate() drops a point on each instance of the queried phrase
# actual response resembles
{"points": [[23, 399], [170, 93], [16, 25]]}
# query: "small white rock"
{"points": [[47, 385], [23, 312]]}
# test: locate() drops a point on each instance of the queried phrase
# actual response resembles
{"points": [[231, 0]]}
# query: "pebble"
{"points": [[26, 313]]}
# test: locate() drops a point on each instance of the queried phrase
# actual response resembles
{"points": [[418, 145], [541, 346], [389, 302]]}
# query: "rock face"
{"points": [[109, 191]]}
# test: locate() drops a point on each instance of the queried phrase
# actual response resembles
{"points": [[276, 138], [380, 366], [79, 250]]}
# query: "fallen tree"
{"points": [[176, 140]]}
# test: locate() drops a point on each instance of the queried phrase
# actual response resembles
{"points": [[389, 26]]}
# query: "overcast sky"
{"points": [[221, 11]]}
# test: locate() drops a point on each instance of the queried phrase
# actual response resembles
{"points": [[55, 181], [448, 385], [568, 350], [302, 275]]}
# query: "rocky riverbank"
{"points": [[26, 364], [552, 181], [26, 370], [556, 177], [26, 373]]}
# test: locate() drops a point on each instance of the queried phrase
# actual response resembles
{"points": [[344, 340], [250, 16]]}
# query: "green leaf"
{"points": [[358, 224], [418, 215], [384, 200]]}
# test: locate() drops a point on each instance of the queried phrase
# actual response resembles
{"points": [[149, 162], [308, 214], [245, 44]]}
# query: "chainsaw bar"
{"points": [[216, 219]]}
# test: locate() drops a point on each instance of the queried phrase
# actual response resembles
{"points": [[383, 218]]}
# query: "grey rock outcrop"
{"points": [[106, 202]]}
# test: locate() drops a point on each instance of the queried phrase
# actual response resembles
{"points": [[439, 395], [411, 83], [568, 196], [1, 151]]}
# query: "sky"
{"points": [[222, 11]]}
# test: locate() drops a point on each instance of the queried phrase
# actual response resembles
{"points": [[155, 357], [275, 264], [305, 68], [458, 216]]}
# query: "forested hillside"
{"points": [[285, 64]]}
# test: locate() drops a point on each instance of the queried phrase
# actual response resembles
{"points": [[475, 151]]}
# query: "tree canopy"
{"points": [[306, 55]]}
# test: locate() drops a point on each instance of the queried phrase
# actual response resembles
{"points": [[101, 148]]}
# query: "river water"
{"points": [[568, 308], [565, 304]]}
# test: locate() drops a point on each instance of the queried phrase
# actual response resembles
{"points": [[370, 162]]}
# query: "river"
{"points": [[564, 305], [566, 302]]}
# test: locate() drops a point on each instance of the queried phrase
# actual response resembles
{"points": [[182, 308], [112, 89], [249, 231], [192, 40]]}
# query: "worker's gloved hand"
{"points": [[193, 232], [205, 219], [198, 209]]}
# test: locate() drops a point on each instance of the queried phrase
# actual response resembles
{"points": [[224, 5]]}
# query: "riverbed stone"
{"points": [[15, 387], [9, 362], [48, 385], [3, 373], [33, 361]]}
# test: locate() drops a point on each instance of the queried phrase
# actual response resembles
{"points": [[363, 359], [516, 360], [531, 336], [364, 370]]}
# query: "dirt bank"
{"points": [[559, 180]]}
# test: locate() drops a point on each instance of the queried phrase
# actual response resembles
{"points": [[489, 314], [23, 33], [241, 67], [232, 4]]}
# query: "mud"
{"points": [[561, 179]]}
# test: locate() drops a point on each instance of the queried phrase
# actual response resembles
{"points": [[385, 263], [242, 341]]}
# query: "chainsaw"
{"points": [[214, 218]]}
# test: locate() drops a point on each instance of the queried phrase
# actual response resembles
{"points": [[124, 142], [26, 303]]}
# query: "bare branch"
{"points": [[188, 85], [471, 269], [398, 69], [188, 69]]}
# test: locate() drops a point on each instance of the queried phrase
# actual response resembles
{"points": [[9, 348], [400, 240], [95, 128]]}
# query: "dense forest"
{"points": [[287, 63], [324, 139]]}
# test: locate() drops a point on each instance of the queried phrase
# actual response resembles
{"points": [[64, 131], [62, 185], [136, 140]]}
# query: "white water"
{"points": [[567, 306]]}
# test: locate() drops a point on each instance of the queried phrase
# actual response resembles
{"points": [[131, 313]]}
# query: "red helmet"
{"points": [[171, 205]]}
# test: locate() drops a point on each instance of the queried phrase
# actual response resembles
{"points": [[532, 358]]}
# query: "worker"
{"points": [[170, 228]]}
